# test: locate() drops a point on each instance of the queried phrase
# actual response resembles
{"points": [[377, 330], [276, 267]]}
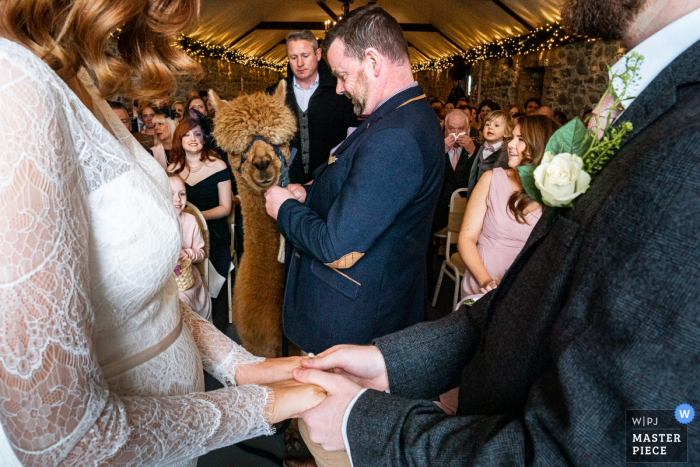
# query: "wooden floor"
{"points": [[269, 451]]}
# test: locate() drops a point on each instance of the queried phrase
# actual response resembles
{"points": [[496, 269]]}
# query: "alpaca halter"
{"points": [[284, 167]]}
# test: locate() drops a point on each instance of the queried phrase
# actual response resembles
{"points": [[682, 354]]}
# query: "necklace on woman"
{"points": [[196, 169]]}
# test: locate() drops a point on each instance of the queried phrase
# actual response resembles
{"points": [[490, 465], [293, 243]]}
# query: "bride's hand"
{"points": [[291, 399], [269, 371]]}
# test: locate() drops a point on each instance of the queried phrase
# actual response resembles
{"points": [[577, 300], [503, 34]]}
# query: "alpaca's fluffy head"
{"points": [[238, 121]]}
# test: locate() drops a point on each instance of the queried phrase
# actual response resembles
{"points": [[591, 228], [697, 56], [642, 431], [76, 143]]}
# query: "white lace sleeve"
{"points": [[220, 355], [55, 407]]}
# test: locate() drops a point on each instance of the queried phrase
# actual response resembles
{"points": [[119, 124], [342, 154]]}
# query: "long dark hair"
{"points": [[177, 153], [535, 131]]}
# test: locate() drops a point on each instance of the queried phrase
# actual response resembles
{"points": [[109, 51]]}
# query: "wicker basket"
{"points": [[183, 275]]}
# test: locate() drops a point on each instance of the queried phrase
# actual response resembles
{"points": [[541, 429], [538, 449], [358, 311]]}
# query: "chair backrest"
{"points": [[202, 265], [458, 205]]}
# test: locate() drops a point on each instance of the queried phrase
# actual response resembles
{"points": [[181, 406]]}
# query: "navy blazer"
{"points": [[357, 268]]}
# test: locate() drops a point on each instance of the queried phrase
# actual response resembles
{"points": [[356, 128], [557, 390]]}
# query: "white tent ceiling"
{"points": [[446, 26]]}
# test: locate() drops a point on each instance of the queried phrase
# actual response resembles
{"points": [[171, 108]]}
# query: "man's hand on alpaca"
{"points": [[274, 197], [325, 421]]}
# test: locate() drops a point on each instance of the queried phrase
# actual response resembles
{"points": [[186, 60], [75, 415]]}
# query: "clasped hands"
{"points": [[322, 388], [275, 196]]}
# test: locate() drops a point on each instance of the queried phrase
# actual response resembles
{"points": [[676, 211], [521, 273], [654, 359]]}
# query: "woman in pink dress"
{"points": [[499, 215], [196, 297], [499, 219]]}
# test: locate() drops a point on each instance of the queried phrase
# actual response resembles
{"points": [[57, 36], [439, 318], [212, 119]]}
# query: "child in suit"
{"points": [[498, 129], [197, 296]]}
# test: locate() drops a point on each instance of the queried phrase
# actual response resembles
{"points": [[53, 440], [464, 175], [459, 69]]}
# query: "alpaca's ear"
{"points": [[215, 99], [281, 91]]}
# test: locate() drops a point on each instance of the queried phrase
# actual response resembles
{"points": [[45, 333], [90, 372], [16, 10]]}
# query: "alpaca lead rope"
{"points": [[284, 166]]}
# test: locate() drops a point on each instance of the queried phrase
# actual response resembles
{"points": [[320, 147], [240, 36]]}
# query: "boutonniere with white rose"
{"points": [[575, 154]]}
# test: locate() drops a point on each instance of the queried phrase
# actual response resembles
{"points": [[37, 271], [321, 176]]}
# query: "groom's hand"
{"points": [[325, 421], [362, 364]]}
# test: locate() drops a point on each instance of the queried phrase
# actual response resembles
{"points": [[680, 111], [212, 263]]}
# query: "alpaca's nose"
{"points": [[262, 165]]}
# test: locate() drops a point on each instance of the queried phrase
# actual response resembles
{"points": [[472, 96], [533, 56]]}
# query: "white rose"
{"points": [[560, 178]]}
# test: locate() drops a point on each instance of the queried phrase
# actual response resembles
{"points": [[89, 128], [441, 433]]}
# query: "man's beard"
{"points": [[604, 19], [359, 100]]}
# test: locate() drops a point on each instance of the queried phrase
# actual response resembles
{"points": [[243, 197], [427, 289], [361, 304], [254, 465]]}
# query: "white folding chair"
{"points": [[453, 266]]}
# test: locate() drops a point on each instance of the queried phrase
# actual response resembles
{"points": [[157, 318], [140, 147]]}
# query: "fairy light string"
{"points": [[542, 38]]}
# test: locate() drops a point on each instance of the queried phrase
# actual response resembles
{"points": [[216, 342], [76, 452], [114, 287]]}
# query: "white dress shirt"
{"points": [[659, 51], [486, 153], [304, 95]]}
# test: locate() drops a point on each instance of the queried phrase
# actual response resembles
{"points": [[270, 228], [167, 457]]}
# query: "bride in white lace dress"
{"points": [[99, 364]]}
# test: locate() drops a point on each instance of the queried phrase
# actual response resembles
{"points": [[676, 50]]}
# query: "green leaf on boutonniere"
{"points": [[572, 138], [527, 180]]}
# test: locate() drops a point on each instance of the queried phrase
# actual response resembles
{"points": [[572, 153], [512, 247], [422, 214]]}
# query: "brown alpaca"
{"points": [[259, 289]]}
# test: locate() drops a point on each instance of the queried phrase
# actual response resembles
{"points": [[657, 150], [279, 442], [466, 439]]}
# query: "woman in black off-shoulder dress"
{"points": [[208, 181]]}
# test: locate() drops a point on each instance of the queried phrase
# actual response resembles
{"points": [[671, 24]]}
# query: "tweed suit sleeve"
{"points": [[627, 336], [386, 175], [427, 359]]}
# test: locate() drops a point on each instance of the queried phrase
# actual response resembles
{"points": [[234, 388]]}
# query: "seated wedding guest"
{"points": [[459, 157], [449, 106], [198, 104], [462, 103], [499, 219], [517, 117], [497, 127], [122, 113], [177, 110], [561, 117], [499, 215], [532, 105], [208, 182], [163, 139], [473, 121], [484, 108], [146, 113], [100, 364], [431, 99], [546, 111], [197, 296], [512, 110], [437, 105]]}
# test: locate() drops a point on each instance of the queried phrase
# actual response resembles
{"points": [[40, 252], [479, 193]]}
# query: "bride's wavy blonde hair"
{"points": [[69, 34]]}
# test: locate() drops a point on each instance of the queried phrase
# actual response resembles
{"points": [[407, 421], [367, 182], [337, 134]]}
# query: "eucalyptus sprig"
{"points": [[623, 81], [575, 154]]}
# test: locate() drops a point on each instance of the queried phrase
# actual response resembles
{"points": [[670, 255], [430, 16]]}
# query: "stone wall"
{"points": [[227, 79], [436, 83], [578, 75], [570, 78]]}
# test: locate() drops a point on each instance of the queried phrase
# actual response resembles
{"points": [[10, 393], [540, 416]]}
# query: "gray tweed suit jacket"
{"points": [[599, 313]]}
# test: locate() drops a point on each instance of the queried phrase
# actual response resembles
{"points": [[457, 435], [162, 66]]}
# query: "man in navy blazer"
{"points": [[360, 232]]}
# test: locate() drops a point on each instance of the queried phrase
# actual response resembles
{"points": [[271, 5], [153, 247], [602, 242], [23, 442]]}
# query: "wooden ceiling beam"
{"points": [[318, 26], [328, 10], [514, 15]]}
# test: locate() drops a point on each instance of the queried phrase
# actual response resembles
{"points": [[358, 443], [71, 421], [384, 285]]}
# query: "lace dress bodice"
{"points": [[89, 239]]}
